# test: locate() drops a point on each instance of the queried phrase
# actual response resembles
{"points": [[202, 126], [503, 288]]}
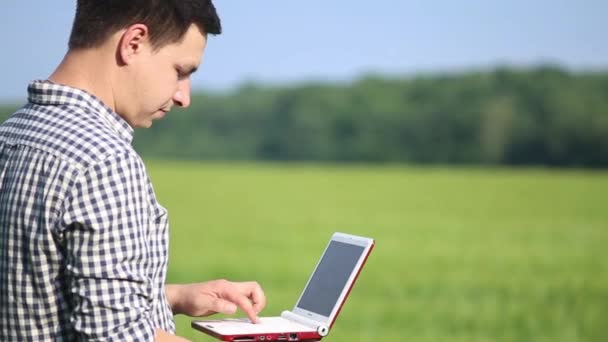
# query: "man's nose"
{"points": [[182, 95]]}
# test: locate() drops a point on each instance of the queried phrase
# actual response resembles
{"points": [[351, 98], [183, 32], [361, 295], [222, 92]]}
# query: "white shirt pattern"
{"points": [[83, 240]]}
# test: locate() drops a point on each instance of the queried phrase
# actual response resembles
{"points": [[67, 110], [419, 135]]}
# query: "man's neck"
{"points": [[86, 69]]}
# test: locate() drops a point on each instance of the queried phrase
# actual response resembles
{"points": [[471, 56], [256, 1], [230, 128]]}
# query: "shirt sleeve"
{"points": [[106, 223]]}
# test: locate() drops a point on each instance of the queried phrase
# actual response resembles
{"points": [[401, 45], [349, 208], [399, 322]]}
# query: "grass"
{"points": [[461, 254]]}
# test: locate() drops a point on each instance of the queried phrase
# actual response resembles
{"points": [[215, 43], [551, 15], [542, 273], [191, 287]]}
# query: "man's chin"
{"points": [[143, 124], [156, 116]]}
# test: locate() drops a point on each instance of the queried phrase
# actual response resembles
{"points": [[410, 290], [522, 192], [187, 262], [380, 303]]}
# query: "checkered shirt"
{"points": [[83, 241]]}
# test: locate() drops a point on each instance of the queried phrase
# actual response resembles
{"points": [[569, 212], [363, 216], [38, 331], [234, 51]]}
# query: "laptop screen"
{"points": [[330, 277]]}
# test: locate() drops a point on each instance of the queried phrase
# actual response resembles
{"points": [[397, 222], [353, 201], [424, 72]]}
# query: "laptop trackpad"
{"points": [[239, 326]]}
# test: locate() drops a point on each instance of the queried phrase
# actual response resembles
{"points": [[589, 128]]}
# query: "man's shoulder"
{"points": [[76, 134]]}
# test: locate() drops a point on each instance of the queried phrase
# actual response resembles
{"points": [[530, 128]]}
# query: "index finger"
{"points": [[245, 304], [258, 299]]}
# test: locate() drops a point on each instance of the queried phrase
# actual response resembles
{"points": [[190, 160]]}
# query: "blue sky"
{"points": [[338, 40]]}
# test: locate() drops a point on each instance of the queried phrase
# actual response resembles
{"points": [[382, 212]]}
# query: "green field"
{"points": [[461, 254]]}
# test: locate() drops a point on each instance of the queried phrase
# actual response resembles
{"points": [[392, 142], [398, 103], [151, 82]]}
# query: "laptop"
{"points": [[318, 306]]}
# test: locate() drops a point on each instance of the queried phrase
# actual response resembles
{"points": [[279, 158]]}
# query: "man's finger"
{"points": [[223, 306], [245, 304], [257, 296]]}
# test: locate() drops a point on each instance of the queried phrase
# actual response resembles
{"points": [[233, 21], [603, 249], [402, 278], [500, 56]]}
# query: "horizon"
{"points": [[364, 75]]}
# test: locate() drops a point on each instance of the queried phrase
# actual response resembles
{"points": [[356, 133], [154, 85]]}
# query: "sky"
{"points": [[285, 42]]}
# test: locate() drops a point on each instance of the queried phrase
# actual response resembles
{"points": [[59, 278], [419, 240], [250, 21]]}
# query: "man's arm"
{"points": [[107, 252], [163, 336]]}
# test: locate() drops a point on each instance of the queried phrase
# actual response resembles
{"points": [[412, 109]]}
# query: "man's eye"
{"points": [[181, 75]]}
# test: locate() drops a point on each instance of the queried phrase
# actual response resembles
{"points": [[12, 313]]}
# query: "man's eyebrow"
{"points": [[186, 69]]}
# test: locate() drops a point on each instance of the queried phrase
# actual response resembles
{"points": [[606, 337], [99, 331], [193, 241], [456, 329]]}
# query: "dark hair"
{"points": [[167, 20]]}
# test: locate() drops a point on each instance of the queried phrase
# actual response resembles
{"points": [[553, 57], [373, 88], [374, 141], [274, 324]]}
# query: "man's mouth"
{"points": [[161, 113]]}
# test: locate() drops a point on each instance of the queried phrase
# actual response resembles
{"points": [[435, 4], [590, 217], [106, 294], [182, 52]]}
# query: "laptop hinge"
{"points": [[321, 329]]}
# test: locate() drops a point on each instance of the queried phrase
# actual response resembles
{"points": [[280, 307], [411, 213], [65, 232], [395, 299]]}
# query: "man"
{"points": [[83, 240]]}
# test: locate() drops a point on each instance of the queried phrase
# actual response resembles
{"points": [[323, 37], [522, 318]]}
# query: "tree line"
{"points": [[538, 116]]}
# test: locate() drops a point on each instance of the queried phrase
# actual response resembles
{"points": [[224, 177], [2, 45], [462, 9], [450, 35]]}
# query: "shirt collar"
{"points": [[49, 93]]}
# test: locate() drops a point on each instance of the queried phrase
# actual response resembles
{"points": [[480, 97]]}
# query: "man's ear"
{"points": [[132, 42]]}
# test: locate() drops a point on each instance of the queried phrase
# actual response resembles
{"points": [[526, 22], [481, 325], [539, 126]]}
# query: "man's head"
{"points": [[167, 20], [152, 47]]}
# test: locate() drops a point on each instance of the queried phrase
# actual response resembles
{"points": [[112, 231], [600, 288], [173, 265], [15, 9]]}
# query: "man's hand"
{"points": [[217, 296]]}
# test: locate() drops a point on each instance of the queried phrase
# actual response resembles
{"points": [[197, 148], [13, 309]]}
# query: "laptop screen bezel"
{"points": [[367, 243]]}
